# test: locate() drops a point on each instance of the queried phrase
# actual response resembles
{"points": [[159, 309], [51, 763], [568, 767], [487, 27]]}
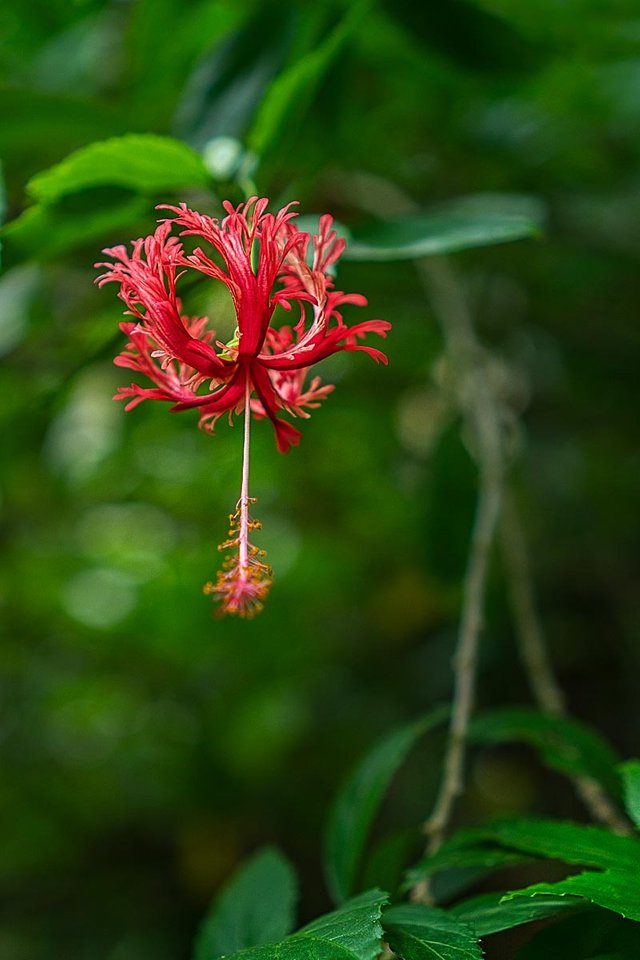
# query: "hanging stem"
{"points": [[466, 658], [476, 398], [533, 651]]}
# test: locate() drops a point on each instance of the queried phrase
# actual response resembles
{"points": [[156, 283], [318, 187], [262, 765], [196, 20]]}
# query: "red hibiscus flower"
{"points": [[265, 262]]}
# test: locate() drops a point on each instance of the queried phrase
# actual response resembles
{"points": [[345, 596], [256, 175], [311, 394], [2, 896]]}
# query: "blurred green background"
{"points": [[147, 747]]}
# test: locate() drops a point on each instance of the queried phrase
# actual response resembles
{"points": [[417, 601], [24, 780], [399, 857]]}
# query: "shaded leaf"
{"points": [[357, 802], [256, 907], [227, 86], [630, 773], [564, 743], [143, 162], [472, 37], [583, 935], [418, 932], [294, 89], [490, 913], [425, 234]]}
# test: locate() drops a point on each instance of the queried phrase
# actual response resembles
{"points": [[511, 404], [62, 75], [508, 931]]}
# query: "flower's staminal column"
{"points": [[245, 579]]}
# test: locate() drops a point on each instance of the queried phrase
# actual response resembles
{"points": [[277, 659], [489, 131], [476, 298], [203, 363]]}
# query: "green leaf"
{"points": [[418, 932], [294, 89], [564, 743], [570, 842], [355, 925], [143, 162], [353, 932], [256, 907], [489, 913], [616, 890], [630, 772], [357, 802], [426, 234]]}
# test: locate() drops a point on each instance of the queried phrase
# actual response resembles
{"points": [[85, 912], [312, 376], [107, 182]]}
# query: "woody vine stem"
{"points": [[484, 415]]}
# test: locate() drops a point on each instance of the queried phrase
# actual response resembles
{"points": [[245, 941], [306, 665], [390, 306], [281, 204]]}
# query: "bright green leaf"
{"points": [[418, 932], [256, 907], [564, 743], [355, 925], [630, 773], [358, 800], [143, 162], [425, 234], [489, 913], [570, 842], [617, 890]]}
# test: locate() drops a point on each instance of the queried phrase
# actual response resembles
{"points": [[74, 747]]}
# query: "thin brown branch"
{"points": [[533, 651], [476, 399]]}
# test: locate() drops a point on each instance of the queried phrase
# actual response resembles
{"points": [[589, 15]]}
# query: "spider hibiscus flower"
{"points": [[265, 262]]}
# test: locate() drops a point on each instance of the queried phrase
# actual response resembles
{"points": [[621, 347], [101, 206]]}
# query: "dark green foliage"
{"points": [[417, 932], [356, 805], [256, 907], [410, 237], [564, 744], [630, 773]]}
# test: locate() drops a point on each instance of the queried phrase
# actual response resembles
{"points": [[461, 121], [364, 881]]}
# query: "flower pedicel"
{"points": [[264, 261]]}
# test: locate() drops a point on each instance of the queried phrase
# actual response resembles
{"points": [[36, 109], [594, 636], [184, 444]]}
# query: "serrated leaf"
{"points": [[426, 234], [630, 773], [489, 913], [570, 842], [418, 932], [352, 932], [295, 87], [256, 907], [143, 162], [355, 925], [617, 890], [357, 802], [564, 743]]}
